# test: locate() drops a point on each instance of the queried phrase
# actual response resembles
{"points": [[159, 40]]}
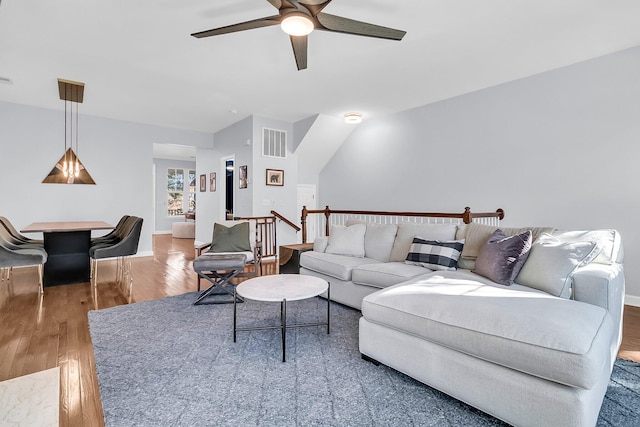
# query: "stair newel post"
{"points": [[327, 214], [466, 216], [303, 223]]}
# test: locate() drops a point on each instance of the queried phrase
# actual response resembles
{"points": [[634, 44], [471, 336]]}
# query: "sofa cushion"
{"points": [[502, 257], [378, 239], [407, 231], [348, 241], [382, 275], [551, 264], [609, 242], [338, 266], [475, 235], [434, 254], [524, 329]]}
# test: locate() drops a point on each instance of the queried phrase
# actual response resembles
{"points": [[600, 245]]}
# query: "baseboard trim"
{"points": [[632, 300], [163, 232]]}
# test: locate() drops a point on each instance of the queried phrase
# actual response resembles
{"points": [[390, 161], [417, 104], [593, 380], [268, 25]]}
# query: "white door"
{"points": [[307, 197]]}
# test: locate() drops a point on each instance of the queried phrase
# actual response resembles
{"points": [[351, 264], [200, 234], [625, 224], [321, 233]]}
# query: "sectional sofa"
{"points": [[524, 324]]}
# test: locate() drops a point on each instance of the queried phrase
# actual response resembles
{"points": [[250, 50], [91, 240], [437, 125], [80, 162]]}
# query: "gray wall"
{"points": [[257, 199], [559, 148], [117, 154], [163, 220]]}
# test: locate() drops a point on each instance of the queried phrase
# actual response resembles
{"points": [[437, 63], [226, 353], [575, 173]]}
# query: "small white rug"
{"points": [[31, 400]]}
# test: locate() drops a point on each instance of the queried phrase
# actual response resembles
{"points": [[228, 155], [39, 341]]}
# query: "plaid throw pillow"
{"points": [[435, 254]]}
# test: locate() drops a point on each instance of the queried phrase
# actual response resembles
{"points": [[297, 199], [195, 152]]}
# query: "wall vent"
{"points": [[274, 143]]}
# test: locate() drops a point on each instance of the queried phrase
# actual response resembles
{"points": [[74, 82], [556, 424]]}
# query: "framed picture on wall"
{"points": [[243, 176], [203, 183], [275, 177], [212, 181]]}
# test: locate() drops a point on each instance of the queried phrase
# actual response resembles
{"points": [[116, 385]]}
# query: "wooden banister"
{"points": [[466, 217], [285, 220]]}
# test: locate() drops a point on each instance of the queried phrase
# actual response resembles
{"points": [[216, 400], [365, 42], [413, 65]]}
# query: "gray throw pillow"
{"points": [[230, 239], [502, 257]]}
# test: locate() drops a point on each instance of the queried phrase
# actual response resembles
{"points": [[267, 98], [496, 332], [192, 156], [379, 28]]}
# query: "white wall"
{"points": [[257, 199], [208, 203], [231, 141], [559, 149], [268, 197], [117, 154]]}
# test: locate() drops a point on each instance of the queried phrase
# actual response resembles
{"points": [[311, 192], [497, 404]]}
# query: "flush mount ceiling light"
{"points": [[69, 169], [297, 24], [352, 118]]}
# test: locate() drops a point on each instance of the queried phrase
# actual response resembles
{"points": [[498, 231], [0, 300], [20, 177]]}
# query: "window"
{"points": [[180, 198]]}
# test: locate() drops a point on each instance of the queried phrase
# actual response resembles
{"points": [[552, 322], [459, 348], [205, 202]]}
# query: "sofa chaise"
{"points": [[530, 339]]}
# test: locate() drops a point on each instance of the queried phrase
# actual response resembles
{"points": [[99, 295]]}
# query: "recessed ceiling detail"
{"points": [[298, 18]]}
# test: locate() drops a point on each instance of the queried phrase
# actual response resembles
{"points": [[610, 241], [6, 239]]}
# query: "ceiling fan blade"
{"points": [[315, 6], [350, 26], [249, 25], [299, 45], [276, 3]]}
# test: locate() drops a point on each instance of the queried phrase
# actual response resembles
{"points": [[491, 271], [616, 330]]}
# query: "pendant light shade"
{"points": [[69, 169]]}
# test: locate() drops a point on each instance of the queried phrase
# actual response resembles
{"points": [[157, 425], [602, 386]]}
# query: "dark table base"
{"points": [[68, 257]]}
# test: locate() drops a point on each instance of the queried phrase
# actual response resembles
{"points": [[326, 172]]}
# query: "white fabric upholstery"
{"points": [[513, 396], [407, 231], [183, 230], [608, 241], [382, 275], [320, 244], [551, 264], [463, 311], [338, 266], [348, 241], [378, 239]]}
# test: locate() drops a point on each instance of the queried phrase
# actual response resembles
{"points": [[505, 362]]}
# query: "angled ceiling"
{"points": [[140, 63]]}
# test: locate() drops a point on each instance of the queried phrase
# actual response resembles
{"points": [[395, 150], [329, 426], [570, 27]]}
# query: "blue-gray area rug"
{"points": [[169, 363]]}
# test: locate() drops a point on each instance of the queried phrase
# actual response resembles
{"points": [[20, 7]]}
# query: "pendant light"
{"points": [[69, 169]]}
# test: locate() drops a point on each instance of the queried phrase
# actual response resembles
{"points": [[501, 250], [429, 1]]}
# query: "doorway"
{"points": [[228, 204]]}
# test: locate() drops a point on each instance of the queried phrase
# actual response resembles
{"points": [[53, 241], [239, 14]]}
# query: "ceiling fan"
{"points": [[299, 17]]}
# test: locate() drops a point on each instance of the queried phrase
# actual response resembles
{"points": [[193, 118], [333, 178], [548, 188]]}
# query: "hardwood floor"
{"points": [[39, 333]]}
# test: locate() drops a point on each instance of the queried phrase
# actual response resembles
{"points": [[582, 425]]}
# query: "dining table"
{"points": [[67, 244]]}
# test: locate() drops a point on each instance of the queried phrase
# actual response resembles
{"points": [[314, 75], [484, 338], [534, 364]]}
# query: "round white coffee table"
{"points": [[282, 288]]}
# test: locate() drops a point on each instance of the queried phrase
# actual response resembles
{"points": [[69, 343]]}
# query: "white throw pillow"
{"points": [[551, 264], [347, 241], [608, 240], [378, 239]]}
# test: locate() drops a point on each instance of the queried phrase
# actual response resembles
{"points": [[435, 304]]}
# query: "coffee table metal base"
{"points": [[283, 322]]}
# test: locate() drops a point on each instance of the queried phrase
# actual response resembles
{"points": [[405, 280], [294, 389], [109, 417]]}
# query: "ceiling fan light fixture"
{"points": [[353, 118], [297, 25]]}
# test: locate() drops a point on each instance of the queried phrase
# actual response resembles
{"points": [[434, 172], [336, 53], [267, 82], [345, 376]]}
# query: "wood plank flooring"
{"points": [[38, 333]]}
